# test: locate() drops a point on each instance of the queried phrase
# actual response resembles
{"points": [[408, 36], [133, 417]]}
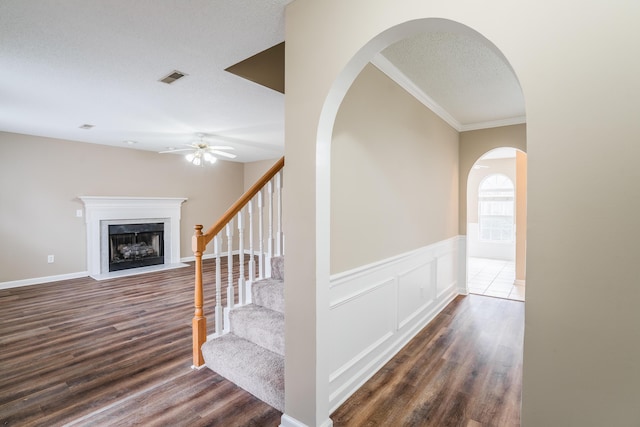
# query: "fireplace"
{"points": [[156, 220], [135, 245]]}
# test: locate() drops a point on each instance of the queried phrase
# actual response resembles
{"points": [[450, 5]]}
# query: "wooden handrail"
{"points": [[199, 243], [242, 201]]}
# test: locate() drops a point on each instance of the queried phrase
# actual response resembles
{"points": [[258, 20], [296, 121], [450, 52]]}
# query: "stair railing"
{"points": [[271, 184]]}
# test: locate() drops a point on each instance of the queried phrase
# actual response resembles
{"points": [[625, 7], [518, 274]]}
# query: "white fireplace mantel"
{"points": [[99, 209]]}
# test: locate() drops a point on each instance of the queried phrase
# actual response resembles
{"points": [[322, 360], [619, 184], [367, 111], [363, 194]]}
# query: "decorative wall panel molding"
{"points": [[377, 308]]}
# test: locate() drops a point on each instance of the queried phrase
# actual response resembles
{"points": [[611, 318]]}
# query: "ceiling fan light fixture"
{"points": [[201, 152], [209, 158]]}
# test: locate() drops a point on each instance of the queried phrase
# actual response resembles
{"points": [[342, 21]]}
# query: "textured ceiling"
{"points": [[463, 75], [73, 62], [67, 63]]}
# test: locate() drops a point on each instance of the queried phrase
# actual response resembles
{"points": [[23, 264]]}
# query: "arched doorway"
{"points": [[339, 280], [496, 206]]}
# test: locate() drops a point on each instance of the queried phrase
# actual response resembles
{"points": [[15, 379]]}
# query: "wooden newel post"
{"points": [[199, 323]]}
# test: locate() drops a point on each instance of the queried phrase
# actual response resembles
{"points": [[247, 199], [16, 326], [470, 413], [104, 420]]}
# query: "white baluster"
{"points": [[252, 261], [241, 279], [279, 235], [260, 235], [230, 291], [270, 237], [219, 309]]}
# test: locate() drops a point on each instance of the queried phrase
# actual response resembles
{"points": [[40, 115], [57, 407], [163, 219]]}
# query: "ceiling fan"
{"points": [[201, 151]]}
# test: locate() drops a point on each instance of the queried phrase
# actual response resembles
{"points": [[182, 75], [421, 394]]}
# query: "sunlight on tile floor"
{"points": [[494, 278]]}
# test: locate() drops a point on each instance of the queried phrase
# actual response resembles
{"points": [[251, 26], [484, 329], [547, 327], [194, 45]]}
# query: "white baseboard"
{"points": [[519, 282], [197, 368], [41, 280], [287, 421]]}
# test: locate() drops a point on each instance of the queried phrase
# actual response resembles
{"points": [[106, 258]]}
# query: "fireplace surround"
{"points": [[101, 212]]}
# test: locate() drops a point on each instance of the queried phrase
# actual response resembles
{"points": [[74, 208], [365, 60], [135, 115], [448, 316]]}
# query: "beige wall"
{"points": [[254, 171], [474, 144], [579, 81], [41, 179], [394, 177]]}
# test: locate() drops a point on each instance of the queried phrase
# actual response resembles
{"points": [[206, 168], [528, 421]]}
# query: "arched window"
{"points": [[496, 208]]}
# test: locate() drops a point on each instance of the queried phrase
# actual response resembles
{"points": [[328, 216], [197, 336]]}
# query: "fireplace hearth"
{"points": [[135, 245]]}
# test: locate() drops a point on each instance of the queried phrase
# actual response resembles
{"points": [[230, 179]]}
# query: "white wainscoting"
{"points": [[376, 309]]}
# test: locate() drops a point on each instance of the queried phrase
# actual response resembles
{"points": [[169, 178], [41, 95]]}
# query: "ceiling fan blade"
{"points": [[223, 154], [221, 147], [175, 151]]}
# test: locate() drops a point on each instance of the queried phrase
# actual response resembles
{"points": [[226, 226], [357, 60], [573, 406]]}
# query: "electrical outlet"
{"points": [[79, 213], [50, 259]]}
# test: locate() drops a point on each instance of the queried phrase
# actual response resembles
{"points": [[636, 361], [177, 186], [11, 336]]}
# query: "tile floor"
{"points": [[494, 278]]}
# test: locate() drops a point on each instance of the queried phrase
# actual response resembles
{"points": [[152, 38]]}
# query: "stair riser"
{"points": [[277, 268], [259, 325], [268, 293], [255, 369]]}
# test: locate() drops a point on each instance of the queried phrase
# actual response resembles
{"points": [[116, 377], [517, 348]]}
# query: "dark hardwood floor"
{"points": [[463, 369], [114, 353], [118, 353]]}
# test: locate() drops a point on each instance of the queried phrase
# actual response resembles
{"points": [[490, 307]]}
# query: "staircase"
{"points": [[247, 347], [252, 354]]}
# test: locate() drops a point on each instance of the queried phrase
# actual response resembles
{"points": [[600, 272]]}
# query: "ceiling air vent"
{"points": [[175, 75], [86, 126]]}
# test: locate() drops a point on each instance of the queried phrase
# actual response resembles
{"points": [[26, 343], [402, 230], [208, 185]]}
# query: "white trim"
{"points": [[106, 208], [519, 282], [384, 65], [288, 421], [494, 123], [339, 279], [394, 73], [463, 288], [197, 368], [351, 297], [42, 280], [393, 299], [340, 395]]}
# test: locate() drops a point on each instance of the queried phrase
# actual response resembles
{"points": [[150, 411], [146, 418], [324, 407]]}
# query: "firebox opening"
{"points": [[135, 245]]}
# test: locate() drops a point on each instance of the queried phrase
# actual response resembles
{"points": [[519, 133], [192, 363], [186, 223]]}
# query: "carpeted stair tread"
{"points": [[250, 366], [268, 293], [259, 325]]}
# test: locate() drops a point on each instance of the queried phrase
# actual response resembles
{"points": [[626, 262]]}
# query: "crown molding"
{"points": [[494, 123], [394, 73], [384, 65]]}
